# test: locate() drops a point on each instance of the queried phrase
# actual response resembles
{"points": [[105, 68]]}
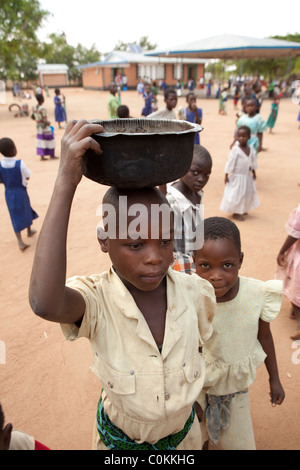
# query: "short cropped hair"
{"points": [[246, 129], [220, 227], [190, 93], [7, 147], [170, 91], [123, 111], [39, 98], [203, 153]]}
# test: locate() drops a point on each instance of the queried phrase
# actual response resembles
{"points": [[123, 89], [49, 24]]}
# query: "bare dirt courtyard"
{"points": [[46, 388]]}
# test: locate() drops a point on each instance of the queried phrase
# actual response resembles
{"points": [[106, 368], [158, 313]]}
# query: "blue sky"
{"points": [[166, 23]]}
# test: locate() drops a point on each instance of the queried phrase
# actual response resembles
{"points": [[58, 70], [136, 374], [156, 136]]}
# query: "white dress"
{"points": [[240, 194]]}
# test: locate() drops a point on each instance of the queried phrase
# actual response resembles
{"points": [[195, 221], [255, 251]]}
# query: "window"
{"points": [[151, 72], [177, 71]]}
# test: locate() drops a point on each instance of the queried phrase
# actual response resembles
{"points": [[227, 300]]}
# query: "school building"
{"points": [[133, 66], [53, 75]]}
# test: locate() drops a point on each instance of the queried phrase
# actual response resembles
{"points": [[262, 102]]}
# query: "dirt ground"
{"points": [[46, 388]]}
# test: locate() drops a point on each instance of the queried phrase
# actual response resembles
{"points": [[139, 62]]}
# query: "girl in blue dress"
{"points": [[148, 98], [192, 113], [59, 112], [14, 175]]}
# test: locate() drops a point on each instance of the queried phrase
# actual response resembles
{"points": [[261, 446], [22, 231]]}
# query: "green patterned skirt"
{"points": [[115, 439]]}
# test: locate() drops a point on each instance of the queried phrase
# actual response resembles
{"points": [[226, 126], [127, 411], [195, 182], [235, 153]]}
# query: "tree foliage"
{"points": [[21, 50], [58, 51], [19, 22], [272, 68], [143, 42], [269, 68]]}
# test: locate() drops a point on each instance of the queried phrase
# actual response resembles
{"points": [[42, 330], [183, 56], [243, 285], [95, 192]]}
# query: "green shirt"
{"points": [[113, 104]]}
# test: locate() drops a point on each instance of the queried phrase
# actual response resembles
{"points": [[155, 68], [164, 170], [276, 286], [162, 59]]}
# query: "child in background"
{"points": [[257, 95], [240, 194], [140, 87], [185, 198], [255, 122], [170, 98], [113, 102], [45, 139], [16, 440], [145, 322], [236, 95], [14, 175], [288, 260], [246, 96], [148, 98], [273, 114], [223, 97], [123, 112], [59, 111], [192, 113], [178, 88], [154, 90], [241, 339]]}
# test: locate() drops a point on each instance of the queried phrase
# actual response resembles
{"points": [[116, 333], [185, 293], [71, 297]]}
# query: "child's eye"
{"points": [[135, 246], [195, 173], [204, 265], [166, 242], [228, 265]]}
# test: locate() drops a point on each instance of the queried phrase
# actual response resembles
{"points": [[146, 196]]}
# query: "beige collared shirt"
{"points": [[147, 394]]}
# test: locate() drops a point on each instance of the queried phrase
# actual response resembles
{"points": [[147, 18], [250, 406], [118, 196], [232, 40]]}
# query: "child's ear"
{"points": [[241, 259], [102, 239], [103, 244]]}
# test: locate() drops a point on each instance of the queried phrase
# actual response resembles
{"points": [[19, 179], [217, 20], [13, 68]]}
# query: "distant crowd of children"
{"points": [[176, 332]]}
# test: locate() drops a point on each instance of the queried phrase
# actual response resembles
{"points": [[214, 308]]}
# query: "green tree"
{"points": [[217, 69], [58, 51], [272, 68], [143, 42], [19, 22], [269, 68]]}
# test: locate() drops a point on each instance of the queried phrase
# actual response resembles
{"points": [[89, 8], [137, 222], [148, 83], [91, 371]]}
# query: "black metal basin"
{"points": [[141, 153]]}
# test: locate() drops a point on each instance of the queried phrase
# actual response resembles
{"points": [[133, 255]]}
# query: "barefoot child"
{"points": [[288, 260], [14, 175], [241, 338], [59, 111], [273, 114], [240, 194], [145, 322], [45, 143]]}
